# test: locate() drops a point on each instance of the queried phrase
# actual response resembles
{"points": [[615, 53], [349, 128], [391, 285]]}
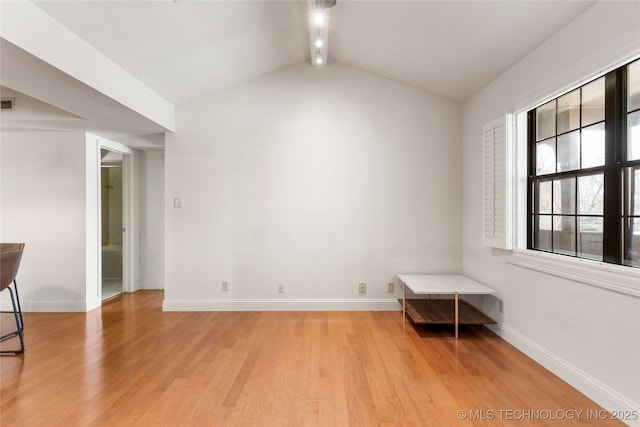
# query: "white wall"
{"points": [[42, 203], [50, 198], [315, 178], [151, 219], [587, 335]]}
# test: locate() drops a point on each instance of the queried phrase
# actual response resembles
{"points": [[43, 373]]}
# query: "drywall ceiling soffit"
{"points": [[92, 111], [30, 114], [188, 49], [154, 141], [31, 29]]}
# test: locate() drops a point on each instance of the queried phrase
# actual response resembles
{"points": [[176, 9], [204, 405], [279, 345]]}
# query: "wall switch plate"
{"points": [[281, 288], [390, 287], [177, 202], [362, 288], [225, 286]]}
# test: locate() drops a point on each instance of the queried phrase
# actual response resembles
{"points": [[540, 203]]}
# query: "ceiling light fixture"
{"points": [[319, 42], [318, 17], [319, 30]]}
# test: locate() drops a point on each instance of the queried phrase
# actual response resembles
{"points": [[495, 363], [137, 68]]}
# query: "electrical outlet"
{"points": [[281, 288], [362, 287], [500, 306], [225, 286], [390, 287]]}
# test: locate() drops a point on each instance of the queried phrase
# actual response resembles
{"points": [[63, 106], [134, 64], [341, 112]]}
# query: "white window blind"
{"points": [[497, 189]]}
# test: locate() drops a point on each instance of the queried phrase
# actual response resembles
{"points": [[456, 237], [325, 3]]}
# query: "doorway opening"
{"points": [[112, 214]]}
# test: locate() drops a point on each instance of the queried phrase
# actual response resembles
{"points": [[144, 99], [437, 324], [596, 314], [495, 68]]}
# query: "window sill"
{"points": [[625, 280]]}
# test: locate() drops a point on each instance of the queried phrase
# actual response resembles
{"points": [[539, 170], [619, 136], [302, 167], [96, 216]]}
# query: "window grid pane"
{"points": [[591, 194], [633, 103], [593, 146], [568, 112], [593, 102], [590, 237], [543, 233], [569, 212], [545, 197], [633, 136], [564, 196], [546, 120], [631, 218], [564, 234], [568, 151], [632, 239], [546, 157], [633, 86]]}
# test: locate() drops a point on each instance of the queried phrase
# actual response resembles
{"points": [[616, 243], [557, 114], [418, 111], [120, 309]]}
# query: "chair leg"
{"points": [[15, 287], [17, 313]]}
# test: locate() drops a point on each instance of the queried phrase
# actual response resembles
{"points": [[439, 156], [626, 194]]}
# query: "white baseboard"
{"points": [[595, 390], [48, 307], [282, 305]]}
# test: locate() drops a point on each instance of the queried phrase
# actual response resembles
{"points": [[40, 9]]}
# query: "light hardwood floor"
{"points": [[131, 364]]}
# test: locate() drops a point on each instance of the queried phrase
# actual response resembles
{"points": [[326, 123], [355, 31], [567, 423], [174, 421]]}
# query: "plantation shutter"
{"points": [[497, 184]]}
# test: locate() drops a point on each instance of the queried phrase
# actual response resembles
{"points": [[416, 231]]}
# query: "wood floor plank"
{"points": [[129, 363]]}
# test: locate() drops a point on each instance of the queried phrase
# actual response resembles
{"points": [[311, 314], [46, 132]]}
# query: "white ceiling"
{"points": [[450, 48], [185, 50]]}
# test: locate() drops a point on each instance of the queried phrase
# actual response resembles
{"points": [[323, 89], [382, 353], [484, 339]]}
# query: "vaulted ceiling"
{"points": [[187, 49], [184, 50]]}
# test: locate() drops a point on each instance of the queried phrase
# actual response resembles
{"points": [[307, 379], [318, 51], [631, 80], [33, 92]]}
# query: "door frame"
{"points": [[128, 224]]}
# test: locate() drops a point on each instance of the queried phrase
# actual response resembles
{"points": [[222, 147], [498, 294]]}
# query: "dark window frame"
{"points": [[616, 211]]}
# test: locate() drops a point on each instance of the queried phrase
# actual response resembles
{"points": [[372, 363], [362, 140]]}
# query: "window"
{"points": [[584, 171]]}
